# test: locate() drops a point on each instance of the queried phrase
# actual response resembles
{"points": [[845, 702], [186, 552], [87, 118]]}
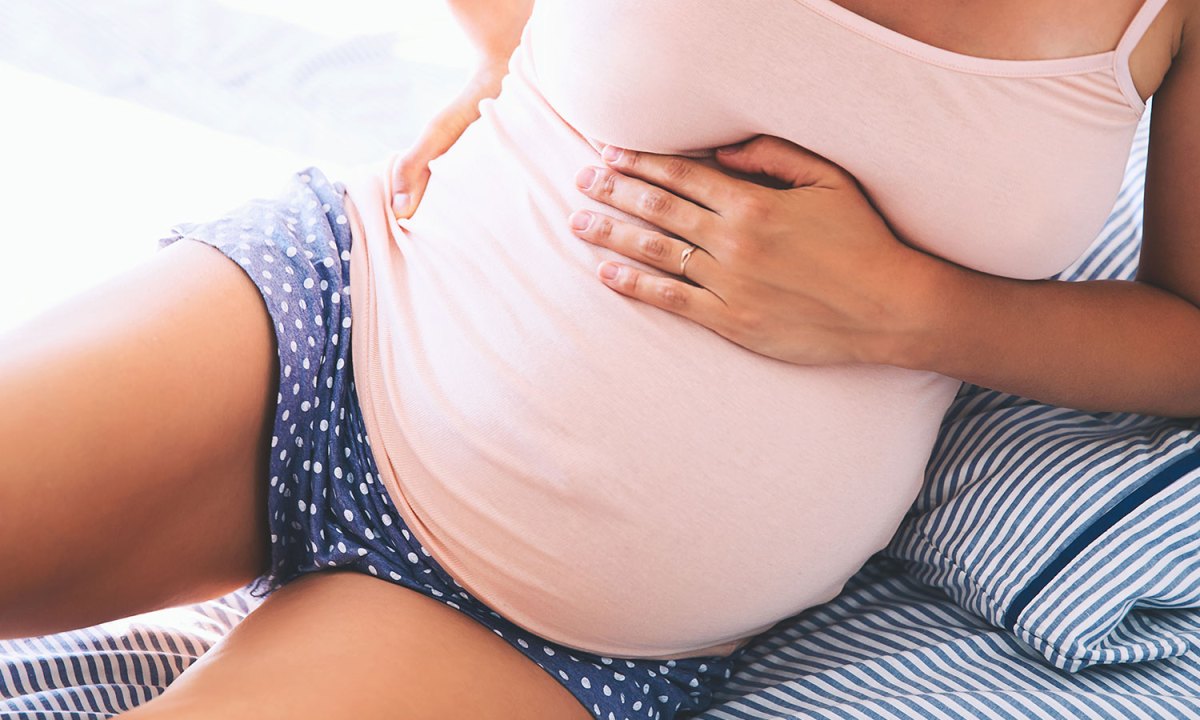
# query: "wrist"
{"points": [[917, 321]]}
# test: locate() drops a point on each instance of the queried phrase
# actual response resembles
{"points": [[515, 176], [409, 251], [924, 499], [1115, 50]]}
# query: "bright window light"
{"points": [[425, 29]]}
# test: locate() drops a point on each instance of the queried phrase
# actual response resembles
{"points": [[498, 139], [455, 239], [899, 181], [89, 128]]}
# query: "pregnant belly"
{"points": [[608, 475]]}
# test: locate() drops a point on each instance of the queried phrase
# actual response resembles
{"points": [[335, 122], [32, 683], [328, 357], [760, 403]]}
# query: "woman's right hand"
{"points": [[410, 173]]}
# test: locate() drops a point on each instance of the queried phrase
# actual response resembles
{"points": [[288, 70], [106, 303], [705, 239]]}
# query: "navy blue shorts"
{"points": [[327, 506]]}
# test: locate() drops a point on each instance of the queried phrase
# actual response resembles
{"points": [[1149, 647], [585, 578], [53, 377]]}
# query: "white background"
{"points": [[120, 118]]}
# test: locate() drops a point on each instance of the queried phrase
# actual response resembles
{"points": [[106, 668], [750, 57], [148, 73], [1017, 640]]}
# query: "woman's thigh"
{"points": [[135, 419], [340, 644]]}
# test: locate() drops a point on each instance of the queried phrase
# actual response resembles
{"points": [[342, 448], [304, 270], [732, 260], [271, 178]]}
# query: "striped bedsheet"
{"points": [[100, 671], [887, 647], [1078, 531]]}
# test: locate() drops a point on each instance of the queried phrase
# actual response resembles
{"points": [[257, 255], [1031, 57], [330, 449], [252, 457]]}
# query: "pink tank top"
{"points": [[616, 478]]}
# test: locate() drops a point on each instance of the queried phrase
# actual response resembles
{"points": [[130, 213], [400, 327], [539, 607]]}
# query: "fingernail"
{"points": [[581, 220], [400, 203], [729, 149], [611, 153], [608, 271], [585, 178]]}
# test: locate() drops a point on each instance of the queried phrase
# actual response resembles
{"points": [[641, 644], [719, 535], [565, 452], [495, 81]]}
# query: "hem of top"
{"points": [[370, 384], [972, 64], [449, 563], [446, 560]]}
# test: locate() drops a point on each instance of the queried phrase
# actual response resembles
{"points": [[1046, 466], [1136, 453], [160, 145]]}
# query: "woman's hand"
{"points": [[808, 273], [410, 171]]}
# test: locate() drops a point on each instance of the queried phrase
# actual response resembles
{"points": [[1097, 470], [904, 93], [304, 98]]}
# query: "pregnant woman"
{"points": [[477, 475]]}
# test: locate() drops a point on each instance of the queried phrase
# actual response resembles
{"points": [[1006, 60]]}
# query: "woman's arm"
{"points": [[1098, 345]]}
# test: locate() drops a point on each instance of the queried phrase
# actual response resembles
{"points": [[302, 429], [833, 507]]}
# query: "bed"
{"points": [[901, 641]]}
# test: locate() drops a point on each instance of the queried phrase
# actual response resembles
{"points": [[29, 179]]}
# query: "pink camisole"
{"points": [[621, 480]]}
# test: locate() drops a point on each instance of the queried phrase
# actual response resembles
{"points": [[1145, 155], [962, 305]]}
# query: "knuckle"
{"points": [[722, 327], [631, 281], [741, 250], [748, 323], [412, 160], [607, 185], [604, 229], [756, 205], [671, 296], [727, 326], [752, 207], [653, 202], [676, 168], [653, 246]]}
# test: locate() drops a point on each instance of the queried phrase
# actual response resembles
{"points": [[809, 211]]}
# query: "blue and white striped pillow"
{"points": [[1074, 530]]}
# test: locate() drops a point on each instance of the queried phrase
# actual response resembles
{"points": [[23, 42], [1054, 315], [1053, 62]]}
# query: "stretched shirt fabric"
{"points": [[614, 477]]}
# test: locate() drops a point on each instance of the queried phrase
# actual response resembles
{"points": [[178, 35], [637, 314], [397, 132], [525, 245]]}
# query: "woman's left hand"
{"points": [[808, 273]]}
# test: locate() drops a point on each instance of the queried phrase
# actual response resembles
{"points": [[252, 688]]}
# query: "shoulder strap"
{"points": [[1133, 35], [1137, 28]]}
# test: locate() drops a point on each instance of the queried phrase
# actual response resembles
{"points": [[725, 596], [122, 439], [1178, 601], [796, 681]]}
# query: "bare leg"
{"points": [[339, 644], [135, 421]]}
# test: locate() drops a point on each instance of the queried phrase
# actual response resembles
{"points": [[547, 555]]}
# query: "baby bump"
{"points": [[591, 465]]}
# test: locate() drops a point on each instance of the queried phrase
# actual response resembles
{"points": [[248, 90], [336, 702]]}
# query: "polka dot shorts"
{"points": [[327, 506]]}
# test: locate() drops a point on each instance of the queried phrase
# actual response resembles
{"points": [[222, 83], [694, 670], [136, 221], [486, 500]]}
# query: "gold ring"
{"points": [[683, 260]]}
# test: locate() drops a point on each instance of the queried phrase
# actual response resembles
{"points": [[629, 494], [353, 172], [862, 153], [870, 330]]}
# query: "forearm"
{"points": [[1105, 345], [493, 26]]}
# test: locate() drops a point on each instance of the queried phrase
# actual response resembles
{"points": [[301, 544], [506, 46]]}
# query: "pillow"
{"points": [[1076, 531]]}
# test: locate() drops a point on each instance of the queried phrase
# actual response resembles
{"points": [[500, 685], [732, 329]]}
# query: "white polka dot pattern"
{"points": [[326, 510]]}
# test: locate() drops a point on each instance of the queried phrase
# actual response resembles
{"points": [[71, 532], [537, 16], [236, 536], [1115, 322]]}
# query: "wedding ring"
{"points": [[683, 260]]}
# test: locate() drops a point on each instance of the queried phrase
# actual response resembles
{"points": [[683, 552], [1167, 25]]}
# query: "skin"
{"points": [[811, 274], [155, 478], [494, 29], [134, 478]]}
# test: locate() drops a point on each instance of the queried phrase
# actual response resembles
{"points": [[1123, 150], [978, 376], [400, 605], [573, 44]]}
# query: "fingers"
{"points": [[410, 172], [650, 247], [783, 160], [694, 303], [683, 176], [649, 202], [414, 176]]}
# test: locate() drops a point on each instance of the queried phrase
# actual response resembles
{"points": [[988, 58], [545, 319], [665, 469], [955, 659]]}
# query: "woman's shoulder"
{"points": [[1185, 25], [1183, 34], [1161, 43]]}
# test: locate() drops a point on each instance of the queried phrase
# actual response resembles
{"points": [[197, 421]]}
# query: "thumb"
{"points": [[782, 160]]}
